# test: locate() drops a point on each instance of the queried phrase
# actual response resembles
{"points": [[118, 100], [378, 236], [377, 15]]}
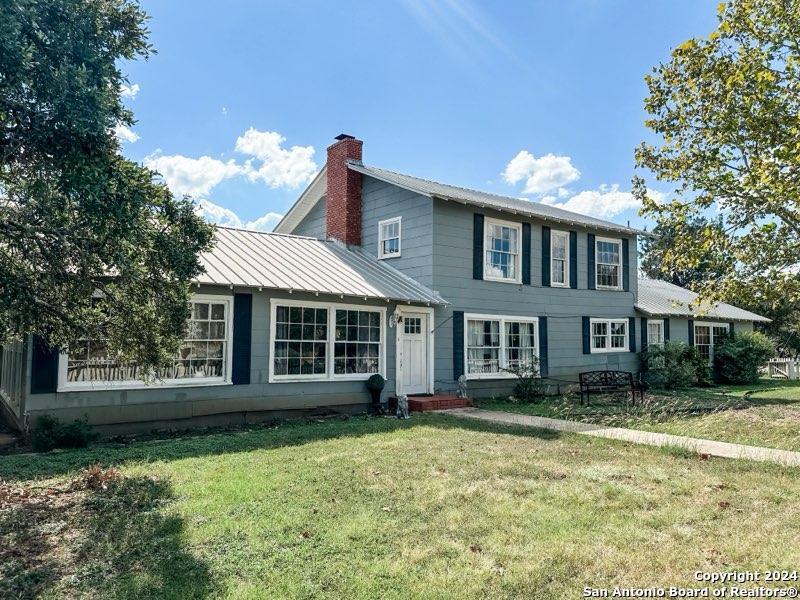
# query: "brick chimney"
{"points": [[343, 210]]}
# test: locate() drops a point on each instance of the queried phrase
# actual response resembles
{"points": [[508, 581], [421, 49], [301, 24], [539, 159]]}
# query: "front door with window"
{"points": [[413, 350]]}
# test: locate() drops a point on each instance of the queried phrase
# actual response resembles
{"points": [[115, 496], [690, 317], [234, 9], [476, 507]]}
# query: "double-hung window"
{"points": [[502, 251], [608, 263], [655, 332], [389, 238], [203, 357], [313, 340], [494, 344], [609, 335], [707, 336], [559, 258]]}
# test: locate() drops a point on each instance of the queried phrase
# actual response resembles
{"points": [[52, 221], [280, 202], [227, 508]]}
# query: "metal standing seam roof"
{"points": [[485, 199], [659, 298], [257, 259]]}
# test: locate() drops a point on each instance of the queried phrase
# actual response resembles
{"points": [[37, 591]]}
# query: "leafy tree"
{"points": [[76, 218], [727, 109], [658, 261]]}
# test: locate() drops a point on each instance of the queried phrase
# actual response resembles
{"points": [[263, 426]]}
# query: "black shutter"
{"points": [[543, 365], [573, 260], [626, 266], [643, 325], [587, 336], [44, 368], [591, 261], [477, 247], [545, 256], [458, 343], [691, 332], [526, 253], [632, 333], [730, 328], [666, 329], [242, 337]]}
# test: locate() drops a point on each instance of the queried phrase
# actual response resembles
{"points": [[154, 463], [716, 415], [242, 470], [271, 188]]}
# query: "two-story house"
{"points": [[373, 271]]}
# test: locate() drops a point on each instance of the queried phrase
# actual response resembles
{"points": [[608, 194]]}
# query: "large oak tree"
{"points": [[91, 244]]}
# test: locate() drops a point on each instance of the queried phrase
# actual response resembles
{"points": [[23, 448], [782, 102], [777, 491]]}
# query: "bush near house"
{"points": [[674, 365], [529, 386], [51, 433], [738, 358]]}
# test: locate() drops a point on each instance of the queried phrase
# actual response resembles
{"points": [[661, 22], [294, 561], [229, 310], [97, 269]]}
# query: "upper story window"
{"points": [[559, 258], [608, 258], [203, 357], [609, 335], [655, 332], [502, 255], [389, 238]]}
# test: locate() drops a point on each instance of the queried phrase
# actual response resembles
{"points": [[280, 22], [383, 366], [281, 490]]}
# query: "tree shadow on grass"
{"points": [[195, 444], [119, 542]]}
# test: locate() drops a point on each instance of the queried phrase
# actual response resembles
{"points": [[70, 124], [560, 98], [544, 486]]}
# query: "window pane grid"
{"points": [[608, 259], [490, 351], [502, 251], [358, 342], [608, 335], [389, 234], [301, 335], [558, 252]]}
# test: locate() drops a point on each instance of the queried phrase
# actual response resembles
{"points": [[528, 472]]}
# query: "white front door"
{"points": [[413, 353]]}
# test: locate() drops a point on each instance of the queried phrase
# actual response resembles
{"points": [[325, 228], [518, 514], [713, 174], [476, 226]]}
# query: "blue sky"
{"points": [[542, 100]]}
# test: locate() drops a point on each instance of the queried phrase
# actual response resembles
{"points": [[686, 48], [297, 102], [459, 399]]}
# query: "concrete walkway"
{"points": [[701, 446]]}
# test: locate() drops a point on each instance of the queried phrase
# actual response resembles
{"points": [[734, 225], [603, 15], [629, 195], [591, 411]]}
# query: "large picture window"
{"points": [[559, 258], [494, 344], [502, 251], [608, 263], [609, 335], [312, 340], [203, 357]]}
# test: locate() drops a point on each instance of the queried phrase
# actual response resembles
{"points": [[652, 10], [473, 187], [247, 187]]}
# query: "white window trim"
{"points": [[381, 239], [710, 325], [135, 384], [329, 375], [415, 309], [487, 222], [659, 322], [597, 263], [565, 235], [608, 349], [502, 348]]}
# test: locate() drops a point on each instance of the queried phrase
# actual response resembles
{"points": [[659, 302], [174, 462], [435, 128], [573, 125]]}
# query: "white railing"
{"points": [[784, 368], [12, 374]]}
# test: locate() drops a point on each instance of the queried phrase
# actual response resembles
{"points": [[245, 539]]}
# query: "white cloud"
{"points": [[224, 110], [605, 202], [125, 133], [540, 174], [219, 215], [129, 91], [280, 167], [192, 176]]}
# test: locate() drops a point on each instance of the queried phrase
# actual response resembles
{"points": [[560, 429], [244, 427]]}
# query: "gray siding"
{"points": [[314, 223], [564, 308], [163, 404], [384, 201]]}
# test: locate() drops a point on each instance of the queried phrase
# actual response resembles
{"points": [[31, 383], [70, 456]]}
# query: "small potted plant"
{"points": [[375, 385]]}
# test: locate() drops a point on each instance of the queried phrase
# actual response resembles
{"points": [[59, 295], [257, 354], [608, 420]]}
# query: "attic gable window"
{"points": [[502, 254], [609, 263], [389, 238]]}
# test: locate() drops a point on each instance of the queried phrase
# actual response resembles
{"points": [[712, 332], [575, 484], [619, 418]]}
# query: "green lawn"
{"points": [[434, 507], [764, 414]]}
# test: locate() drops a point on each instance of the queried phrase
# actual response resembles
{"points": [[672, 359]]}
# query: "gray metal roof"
{"points": [[659, 298], [485, 199], [289, 262]]}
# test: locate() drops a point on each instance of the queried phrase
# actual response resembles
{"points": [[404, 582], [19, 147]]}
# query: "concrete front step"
{"points": [[437, 402]]}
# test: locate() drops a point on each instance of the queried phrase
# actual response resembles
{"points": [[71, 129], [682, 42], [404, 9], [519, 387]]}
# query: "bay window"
{"points": [[494, 344], [608, 263], [502, 251], [203, 357], [609, 335], [312, 340]]}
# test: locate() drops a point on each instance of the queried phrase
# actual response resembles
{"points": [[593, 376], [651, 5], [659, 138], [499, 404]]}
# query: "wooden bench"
{"points": [[609, 381]]}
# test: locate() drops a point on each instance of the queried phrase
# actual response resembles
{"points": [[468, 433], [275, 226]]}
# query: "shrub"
{"points": [[672, 366], [51, 433], [529, 386], [738, 358]]}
